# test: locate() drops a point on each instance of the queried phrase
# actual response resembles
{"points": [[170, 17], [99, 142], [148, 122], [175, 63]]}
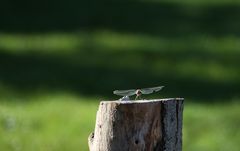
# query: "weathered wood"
{"points": [[143, 125]]}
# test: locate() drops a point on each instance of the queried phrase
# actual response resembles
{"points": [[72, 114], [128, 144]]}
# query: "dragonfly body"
{"points": [[137, 92]]}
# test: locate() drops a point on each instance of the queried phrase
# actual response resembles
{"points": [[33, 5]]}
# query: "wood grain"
{"points": [[143, 125]]}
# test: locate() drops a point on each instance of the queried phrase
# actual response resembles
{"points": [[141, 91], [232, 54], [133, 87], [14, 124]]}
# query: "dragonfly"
{"points": [[137, 92]]}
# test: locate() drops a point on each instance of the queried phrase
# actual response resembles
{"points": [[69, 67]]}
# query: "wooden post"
{"points": [[143, 125]]}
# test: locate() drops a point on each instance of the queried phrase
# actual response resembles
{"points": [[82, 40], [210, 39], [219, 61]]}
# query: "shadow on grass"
{"points": [[167, 19], [101, 73], [93, 72]]}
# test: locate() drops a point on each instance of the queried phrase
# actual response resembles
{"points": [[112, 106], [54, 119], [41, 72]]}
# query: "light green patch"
{"points": [[210, 127], [62, 122], [50, 43], [114, 41], [48, 123]]}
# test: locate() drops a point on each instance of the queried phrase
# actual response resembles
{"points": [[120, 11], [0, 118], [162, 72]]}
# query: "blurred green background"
{"points": [[58, 59]]}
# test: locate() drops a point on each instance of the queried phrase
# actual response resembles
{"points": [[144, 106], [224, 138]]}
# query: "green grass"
{"points": [[62, 122], [188, 51], [211, 127], [115, 41], [42, 123]]}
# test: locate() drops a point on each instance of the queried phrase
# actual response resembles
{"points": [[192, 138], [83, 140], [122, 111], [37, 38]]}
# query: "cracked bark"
{"points": [[148, 125]]}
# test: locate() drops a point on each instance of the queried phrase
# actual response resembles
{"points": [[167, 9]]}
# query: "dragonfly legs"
{"points": [[138, 97]]}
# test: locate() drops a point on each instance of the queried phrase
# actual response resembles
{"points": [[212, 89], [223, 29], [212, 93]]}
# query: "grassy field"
{"points": [[57, 60], [62, 122], [47, 123]]}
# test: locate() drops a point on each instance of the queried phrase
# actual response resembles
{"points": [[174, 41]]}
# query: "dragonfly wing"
{"points": [[151, 90], [125, 92]]}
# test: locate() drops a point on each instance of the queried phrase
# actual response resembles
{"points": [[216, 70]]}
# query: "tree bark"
{"points": [[143, 125]]}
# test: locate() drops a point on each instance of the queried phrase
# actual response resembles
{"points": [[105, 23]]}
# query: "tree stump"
{"points": [[143, 125]]}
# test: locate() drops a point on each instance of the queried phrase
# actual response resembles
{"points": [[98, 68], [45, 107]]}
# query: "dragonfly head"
{"points": [[138, 92]]}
